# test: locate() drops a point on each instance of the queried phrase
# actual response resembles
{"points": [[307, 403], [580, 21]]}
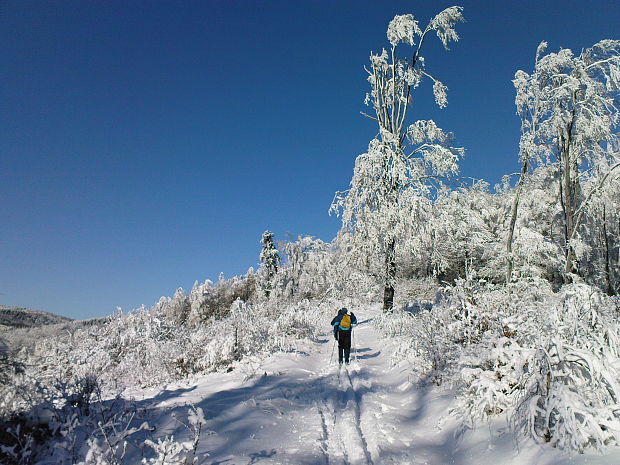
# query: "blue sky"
{"points": [[145, 145]]}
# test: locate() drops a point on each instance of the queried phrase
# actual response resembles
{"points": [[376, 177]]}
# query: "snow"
{"points": [[521, 338], [302, 408]]}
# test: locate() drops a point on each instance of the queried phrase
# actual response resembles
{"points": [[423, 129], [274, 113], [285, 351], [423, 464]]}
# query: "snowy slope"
{"points": [[302, 409]]}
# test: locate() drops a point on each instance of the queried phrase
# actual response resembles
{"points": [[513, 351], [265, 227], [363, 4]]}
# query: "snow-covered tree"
{"points": [[468, 232], [402, 161], [569, 113], [600, 236], [529, 101], [308, 266], [537, 250], [270, 260]]}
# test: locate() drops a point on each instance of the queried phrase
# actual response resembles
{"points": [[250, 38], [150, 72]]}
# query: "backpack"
{"points": [[346, 321]]}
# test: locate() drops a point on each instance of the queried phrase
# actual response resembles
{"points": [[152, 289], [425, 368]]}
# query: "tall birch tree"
{"points": [[403, 161]]}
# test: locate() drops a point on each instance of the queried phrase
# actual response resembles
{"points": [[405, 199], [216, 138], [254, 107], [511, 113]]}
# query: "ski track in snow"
{"points": [[351, 406], [342, 433], [302, 409]]}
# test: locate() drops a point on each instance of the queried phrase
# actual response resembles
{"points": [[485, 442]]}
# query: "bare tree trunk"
{"points": [[568, 212], [610, 290], [513, 221], [236, 348], [575, 193], [568, 191], [390, 275], [429, 261]]}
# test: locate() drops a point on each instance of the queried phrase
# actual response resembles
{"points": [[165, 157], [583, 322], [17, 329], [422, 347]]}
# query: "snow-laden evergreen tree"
{"points": [[270, 260], [403, 161], [569, 114]]}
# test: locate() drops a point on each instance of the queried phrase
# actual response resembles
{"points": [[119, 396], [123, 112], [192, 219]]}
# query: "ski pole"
{"points": [[332, 355]]}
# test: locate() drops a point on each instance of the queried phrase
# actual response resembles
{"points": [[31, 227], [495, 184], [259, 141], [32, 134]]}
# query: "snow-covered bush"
{"points": [[548, 360], [149, 347], [171, 452], [67, 419], [9, 369], [56, 396], [95, 432], [570, 395], [39, 412], [122, 440], [430, 337], [551, 362], [436, 334]]}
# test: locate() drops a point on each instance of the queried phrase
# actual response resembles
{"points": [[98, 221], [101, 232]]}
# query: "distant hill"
{"points": [[22, 327], [18, 317]]}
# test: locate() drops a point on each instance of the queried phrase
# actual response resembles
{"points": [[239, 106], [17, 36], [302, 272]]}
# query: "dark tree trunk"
{"points": [[390, 274], [429, 261], [388, 297]]}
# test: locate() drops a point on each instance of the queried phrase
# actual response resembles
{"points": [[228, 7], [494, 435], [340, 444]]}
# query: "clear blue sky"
{"points": [[148, 144]]}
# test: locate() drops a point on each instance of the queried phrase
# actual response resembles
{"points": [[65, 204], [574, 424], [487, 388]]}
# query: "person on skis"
{"points": [[343, 324]]}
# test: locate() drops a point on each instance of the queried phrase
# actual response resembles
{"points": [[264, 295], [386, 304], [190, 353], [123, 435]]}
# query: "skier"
{"points": [[343, 324]]}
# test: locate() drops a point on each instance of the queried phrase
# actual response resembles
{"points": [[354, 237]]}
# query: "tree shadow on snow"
{"points": [[256, 422], [444, 445], [418, 307], [365, 356], [253, 422]]}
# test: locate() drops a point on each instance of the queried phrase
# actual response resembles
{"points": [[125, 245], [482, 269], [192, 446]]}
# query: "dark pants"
{"points": [[344, 346]]}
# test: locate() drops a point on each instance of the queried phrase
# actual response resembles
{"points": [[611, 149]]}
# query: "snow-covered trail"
{"points": [[301, 408]]}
